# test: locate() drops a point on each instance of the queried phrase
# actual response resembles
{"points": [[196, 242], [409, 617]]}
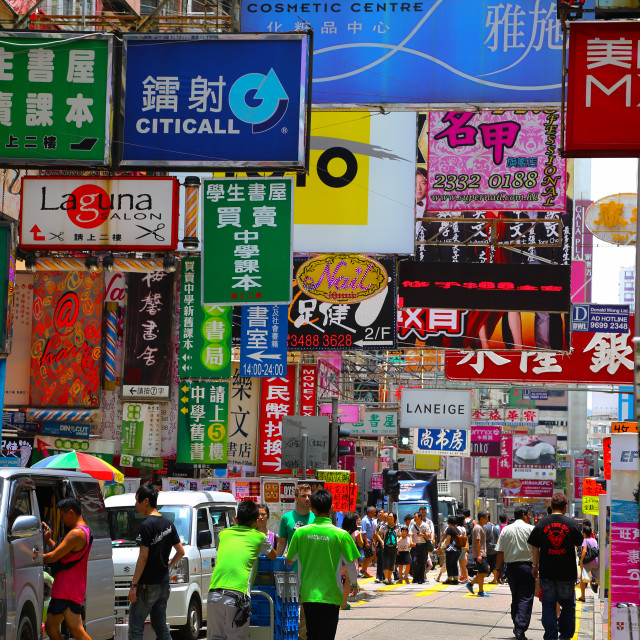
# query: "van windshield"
{"points": [[124, 523]]}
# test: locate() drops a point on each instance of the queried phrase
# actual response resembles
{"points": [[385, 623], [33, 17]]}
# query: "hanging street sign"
{"points": [[55, 99], [453, 442], [600, 318], [263, 348], [247, 241]]}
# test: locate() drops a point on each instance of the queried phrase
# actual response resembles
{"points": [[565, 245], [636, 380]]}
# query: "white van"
{"points": [[199, 516], [27, 498]]}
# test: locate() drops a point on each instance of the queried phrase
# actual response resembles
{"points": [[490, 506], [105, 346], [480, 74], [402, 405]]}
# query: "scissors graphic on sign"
{"points": [[155, 233]]}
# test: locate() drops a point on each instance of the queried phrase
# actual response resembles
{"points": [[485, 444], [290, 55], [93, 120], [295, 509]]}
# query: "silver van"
{"points": [[27, 498], [199, 516]]}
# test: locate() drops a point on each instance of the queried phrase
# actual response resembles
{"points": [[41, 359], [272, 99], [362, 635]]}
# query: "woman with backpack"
{"points": [[388, 535], [452, 550], [589, 562]]}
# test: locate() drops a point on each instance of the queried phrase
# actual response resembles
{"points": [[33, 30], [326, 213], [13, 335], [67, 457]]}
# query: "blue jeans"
{"points": [[152, 601], [564, 593]]}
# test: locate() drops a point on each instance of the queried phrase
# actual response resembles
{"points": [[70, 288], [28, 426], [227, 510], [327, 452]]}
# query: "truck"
{"points": [[458, 494]]}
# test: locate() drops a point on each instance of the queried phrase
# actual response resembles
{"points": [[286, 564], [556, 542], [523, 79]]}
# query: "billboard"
{"points": [[409, 53], [612, 218], [445, 408], [56, 99], [603, 90], [452, 442], [248, 110], [514, 488], [504, 160], [66, 342], [534, 457], [133, 214], [342, 302], [596, 358], [358, 196]]}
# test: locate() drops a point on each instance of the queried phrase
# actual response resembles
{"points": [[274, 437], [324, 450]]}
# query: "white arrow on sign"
{"points": [[261, 355], [380, 343]]}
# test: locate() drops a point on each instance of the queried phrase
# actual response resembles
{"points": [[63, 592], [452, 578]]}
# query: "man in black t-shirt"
{"points": [[554, 540], [149, 589]]}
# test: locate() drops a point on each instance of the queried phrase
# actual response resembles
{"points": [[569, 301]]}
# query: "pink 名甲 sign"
{"points": [[495, 160], [347, 413]]}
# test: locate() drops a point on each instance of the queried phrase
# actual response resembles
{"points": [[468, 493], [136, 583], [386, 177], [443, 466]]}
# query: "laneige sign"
{"points": [[446, 408]]}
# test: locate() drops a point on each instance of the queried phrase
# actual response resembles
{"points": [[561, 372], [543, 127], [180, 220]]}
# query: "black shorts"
{"points": [[403, 557], [483, 567], [59, 605], [492, 560]]}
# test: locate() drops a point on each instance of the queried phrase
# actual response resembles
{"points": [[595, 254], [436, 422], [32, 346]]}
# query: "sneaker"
{"points": [[378, 580], [470, 587], [484, 594]]}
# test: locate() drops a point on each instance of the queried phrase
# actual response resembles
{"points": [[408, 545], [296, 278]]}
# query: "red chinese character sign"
{"points": [[603, 90], [505, 160], [277, 399], [596, 358], [66, 341], [502, 467], [344, 496]]}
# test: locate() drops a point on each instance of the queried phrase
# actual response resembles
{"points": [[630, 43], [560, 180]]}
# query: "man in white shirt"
{"points": [[514, 551]]}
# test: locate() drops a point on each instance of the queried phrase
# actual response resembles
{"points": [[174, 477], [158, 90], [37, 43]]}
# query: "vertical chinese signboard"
{"points": [[308, 389], [55, 99], [141, 435], [205, 331], [66, 342], [502, 467], [247, 241], [277, 399], [204, 423], [148, 335], [243, 419]]}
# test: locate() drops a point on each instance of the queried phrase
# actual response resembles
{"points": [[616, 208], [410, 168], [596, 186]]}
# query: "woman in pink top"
{"points": [[263, 518], [69, 584]]}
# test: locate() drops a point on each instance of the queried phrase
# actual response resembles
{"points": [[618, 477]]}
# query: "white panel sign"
{"points": [[99, 213], [444, 408]]}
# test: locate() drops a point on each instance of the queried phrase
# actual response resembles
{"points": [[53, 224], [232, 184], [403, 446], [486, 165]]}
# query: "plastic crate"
{"points": [[260, 609], [266, 565]]}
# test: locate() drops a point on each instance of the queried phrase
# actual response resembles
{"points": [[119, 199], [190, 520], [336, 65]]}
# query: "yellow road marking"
{"points": [[431, 590], [487, 587]]}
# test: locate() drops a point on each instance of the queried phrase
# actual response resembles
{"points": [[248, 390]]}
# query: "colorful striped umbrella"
{"points": [[77, 461]]}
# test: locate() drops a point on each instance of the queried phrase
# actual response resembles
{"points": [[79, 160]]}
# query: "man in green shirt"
{"points": [[229, 601], [321, 549]]}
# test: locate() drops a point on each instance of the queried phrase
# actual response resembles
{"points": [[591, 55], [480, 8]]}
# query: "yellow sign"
{"points": [[613, 219], [590, 504], [333, 475], [425, 462], [342, 278], [624, 427]]}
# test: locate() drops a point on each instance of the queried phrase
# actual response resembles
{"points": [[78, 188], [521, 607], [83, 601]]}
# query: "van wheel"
{"points": [[26, 630], [191, 630]]}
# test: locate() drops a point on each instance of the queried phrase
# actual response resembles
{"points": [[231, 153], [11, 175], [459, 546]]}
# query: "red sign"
{"points": [[596, 358], [603, 90], [580, 470], [502, 467], [277, 399], [514, 488], [66, 342], [308, 389], [591, 487], [344, 495], [606, 454]]}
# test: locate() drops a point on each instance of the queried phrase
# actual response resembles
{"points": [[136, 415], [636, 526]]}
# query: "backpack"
{"points": [[492, 537], [591, 554], [390, 538], [461, 540]]}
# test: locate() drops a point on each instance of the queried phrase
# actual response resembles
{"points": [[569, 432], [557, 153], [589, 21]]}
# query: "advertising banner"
{"points": [[243, 420], [203, 428], [277, 399], [250, 111], [534, 457], [133, 214], [365, 51], [425, 462], [347, 413], [205, 330], [308, 389], [247, 228], [16, 390], [376, 424], [602, 87], [317, 431], [141, 432], [66, 343], [485, 441], [328, 379], [596, 358], [514, 488], [452, 442], [53, 445], [481, 160], [148, 335], [512, 418], [435, 408], [72, 429], [264, 337], [502, 467], [490, 287], [344, 496], [612, 219], [342, 302], [56, 105], [600, 318], [363, 180]]}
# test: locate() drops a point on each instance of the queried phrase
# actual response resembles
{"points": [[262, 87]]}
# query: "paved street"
{"points": [[408, 612]]}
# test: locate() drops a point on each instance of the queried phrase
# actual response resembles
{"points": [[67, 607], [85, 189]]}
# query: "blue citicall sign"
{"points": [[263, 345], [232, 100]]}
